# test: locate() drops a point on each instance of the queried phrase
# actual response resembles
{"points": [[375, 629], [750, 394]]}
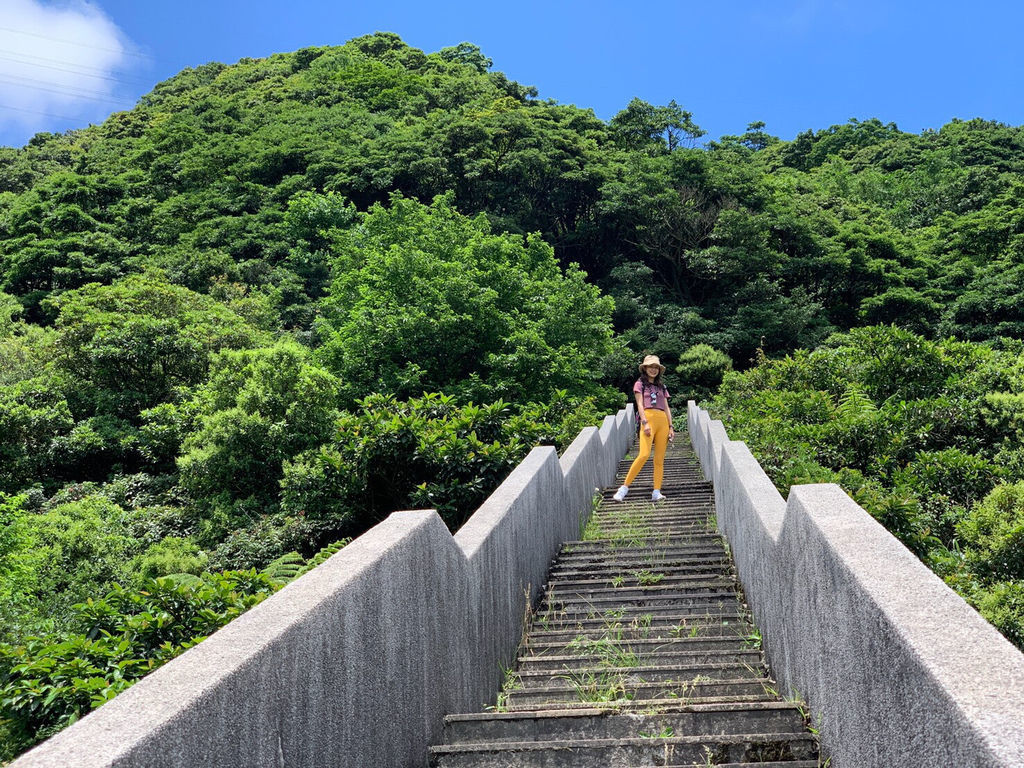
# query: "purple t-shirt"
{"points": [[654, 396]]}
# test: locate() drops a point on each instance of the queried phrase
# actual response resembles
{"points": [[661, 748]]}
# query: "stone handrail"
{"points": [[356, 663], [899, 669]]}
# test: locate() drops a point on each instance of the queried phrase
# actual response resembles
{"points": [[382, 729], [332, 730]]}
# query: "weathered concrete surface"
{"points": [[590, 463], [901, 671], [508, 544], [356, 663]]}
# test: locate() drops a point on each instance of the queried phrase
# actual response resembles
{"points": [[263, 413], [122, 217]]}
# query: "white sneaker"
{"points": [[621, 493], [656, 496]]}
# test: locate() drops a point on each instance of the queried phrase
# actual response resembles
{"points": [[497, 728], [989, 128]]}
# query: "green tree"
{"points": [[647, 127], [259, 409], [127, 346], [426, 299]]}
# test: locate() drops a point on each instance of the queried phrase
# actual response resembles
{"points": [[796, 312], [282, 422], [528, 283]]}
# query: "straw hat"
{"points": [[651, 360]]}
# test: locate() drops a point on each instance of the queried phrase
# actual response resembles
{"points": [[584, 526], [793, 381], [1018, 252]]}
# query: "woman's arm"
{"points": [[668, 412], [641, 413]]}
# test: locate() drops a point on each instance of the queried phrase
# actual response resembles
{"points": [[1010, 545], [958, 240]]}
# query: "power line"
{"points": [[21, 79], [62, 91], [73, 42], [35, 83], [37, 112], [73, 68]]}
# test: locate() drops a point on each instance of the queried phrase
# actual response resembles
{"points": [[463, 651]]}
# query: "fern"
{"points": [[288, 566], [855, 404], [291, 565], [321, 556]]}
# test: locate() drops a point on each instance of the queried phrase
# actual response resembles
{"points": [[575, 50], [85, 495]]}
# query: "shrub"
{"points": [[911, 429], [699, 372], [993, 534], [47, 683], [424, 452], [259, 409], [1002, 604], [169, 556], [64, 553], [426, 299]]}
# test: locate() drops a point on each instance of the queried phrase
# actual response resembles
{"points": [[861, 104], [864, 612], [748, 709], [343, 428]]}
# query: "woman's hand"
{"points": [[671, 433], [647, 428]]}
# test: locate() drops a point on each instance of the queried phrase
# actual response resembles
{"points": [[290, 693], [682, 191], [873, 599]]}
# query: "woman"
{"points": [[655, 424]]}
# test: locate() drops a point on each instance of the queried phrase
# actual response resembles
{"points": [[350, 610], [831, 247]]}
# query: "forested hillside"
{"points": [[282, 298]]}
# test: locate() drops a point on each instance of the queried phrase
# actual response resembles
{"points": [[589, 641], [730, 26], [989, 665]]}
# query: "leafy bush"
{"points": [[423, 452], [1002, 603], [32, 414], [125, 347], [60, 556], [259, 409], [948, 482], [47, 683], [265, 539], [993, 534], [913, 430], [699, 372], [425, 299], [171, 555]]}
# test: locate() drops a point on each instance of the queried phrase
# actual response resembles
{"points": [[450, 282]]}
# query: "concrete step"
{"points": [[684, 482], [609, 689], [673, 501], [642, 624], [642, 558], [684, 615], [641, 704], [696, 559], [758, 764], [703, 545], [597, 573], [653, 656], [675, 751], [568, 615], [657, 516], [662, 533], [678, 528], [640, 543], [679, 598], [636, 578], [683, 488], [754, 717], [598, 676], [583, 589], [698, 538], [681, 482], [660, 515], [643, 641]]}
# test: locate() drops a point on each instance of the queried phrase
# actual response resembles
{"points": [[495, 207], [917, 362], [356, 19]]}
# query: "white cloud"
{"points": [[58, 60]]}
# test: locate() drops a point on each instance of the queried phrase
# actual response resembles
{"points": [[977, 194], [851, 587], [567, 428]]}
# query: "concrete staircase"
{"points": [[641, 652]]}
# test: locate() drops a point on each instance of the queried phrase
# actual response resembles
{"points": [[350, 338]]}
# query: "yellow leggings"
{"points": [[658, 421]]}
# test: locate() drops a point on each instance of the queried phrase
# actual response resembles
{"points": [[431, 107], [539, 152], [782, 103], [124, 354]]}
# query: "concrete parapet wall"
{"points": [[899, 669], [356, 663]]}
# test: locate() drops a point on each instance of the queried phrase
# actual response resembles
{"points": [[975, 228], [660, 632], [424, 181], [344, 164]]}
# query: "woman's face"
{"points": [[652, 371]]}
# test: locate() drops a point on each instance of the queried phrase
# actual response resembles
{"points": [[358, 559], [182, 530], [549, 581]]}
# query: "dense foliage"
{"points": [[48, 683], [280, 299], [925, 435]]}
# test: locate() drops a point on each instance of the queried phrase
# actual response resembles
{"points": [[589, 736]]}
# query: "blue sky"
{"points": [[795, 64]]}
